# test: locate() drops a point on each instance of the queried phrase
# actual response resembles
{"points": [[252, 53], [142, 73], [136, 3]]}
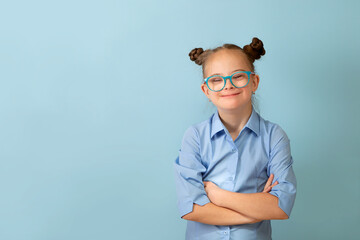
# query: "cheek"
{"points": [[215, 95], [247, 90]]}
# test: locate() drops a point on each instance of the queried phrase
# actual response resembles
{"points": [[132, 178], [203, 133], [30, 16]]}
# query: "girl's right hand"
{"points": [[268, 185]]}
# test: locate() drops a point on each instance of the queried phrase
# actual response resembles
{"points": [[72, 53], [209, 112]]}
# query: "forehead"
{"points": [[225, 61]]}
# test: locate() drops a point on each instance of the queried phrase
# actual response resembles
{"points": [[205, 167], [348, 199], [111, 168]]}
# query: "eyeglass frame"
{"points": [[230, 78]]}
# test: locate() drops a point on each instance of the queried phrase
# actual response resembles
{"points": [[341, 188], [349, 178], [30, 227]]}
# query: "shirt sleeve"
{"points": [[188, 173], [280, 164]]}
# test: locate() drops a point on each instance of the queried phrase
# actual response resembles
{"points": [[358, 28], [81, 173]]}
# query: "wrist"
{"points": [[224, 196]]}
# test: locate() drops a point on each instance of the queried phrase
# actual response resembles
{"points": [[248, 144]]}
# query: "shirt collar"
{"points": [[253, 123]]}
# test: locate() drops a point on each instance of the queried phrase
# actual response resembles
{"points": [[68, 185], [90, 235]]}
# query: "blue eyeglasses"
{"points": [[238, 79]]}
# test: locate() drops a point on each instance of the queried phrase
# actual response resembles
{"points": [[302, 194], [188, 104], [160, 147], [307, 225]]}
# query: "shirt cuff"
{"points": [[286, 200], [186, 205]]}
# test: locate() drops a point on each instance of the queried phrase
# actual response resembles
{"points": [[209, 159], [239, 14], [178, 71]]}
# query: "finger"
{"points": [[271, 186], [268, 183], [267, 188], [276, 183]]}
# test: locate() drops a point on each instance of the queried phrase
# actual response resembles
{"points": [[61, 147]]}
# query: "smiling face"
{"points": [[225, 62]]}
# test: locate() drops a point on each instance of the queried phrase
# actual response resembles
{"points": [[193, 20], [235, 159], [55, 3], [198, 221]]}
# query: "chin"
{"points": [[233, 105]]}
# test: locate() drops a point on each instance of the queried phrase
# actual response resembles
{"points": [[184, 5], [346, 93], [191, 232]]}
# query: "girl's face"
{"points": [[225, 62]]}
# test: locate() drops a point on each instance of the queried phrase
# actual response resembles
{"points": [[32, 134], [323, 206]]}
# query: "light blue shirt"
{"points": [[208, 153]]}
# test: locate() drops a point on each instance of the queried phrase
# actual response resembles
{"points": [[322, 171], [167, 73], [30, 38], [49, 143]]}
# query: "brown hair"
{"points": [[253, 51]]}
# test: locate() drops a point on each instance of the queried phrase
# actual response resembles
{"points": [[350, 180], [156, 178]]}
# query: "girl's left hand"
{"points": [[214, 193]]}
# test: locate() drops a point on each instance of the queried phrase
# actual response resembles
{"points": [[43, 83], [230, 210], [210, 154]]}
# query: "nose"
{"points": [[228, 84]]}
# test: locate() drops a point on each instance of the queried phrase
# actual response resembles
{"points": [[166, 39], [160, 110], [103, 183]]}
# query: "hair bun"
{"points": [[194, 55], [255, 50]]}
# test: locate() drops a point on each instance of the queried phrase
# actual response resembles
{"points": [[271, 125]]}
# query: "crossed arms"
{"points": [[232, 208]]}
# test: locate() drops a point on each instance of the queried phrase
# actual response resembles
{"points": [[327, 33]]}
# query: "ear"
{"points": [[255, 81], [205, 89]]}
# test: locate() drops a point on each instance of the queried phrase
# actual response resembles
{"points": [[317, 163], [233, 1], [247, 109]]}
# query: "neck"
{"points": [[235, 120]]}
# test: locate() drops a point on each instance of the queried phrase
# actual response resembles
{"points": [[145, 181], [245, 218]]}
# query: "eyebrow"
{"points": [[231, 72]]}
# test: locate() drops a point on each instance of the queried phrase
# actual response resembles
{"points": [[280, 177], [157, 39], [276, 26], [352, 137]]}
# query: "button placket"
{"points": [[235, 163]]}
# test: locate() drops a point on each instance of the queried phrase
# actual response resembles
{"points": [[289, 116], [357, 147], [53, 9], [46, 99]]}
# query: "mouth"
{"points": [[230, 95]]}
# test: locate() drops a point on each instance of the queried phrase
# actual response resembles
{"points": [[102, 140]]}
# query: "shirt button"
{"points": [[233, 150], [225, 232]]}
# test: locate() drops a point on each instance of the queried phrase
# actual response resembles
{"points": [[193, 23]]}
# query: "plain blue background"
{"points": [[95, 97]]}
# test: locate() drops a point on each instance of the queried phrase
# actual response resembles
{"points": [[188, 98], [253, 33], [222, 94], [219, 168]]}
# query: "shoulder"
{"points": [[274, 133], [200, 128], [198, 132]]}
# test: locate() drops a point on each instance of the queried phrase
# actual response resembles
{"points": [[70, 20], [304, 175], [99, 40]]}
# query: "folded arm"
{"points": [[262, 205], [212, 214], [255, 205]]}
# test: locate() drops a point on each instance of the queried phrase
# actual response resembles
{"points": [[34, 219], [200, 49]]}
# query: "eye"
{"points": [[239, 76], [215, 79]]}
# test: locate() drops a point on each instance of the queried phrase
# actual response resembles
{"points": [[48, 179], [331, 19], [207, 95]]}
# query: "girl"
{"points": [[234, 171]]}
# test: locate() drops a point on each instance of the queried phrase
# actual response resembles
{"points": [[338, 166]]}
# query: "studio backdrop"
{"points": [[95, 97]]}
